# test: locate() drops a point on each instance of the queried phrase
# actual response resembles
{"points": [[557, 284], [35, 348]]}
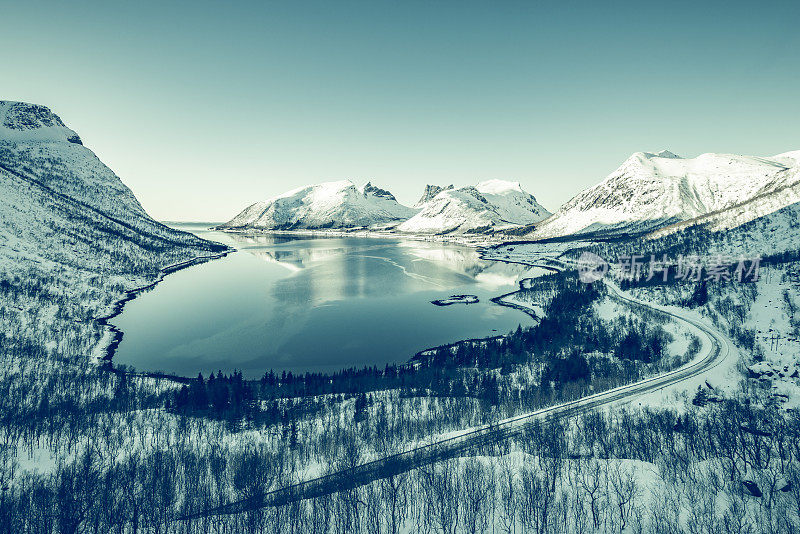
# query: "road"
{"points": [[715, 349]]}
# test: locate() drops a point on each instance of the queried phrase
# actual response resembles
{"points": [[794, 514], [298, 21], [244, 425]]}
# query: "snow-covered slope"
{"points": [[740, 214], [55, 191], [493, 205], [63, 211], [649, 191], [65, 218], [327, 205], [775, 233]]}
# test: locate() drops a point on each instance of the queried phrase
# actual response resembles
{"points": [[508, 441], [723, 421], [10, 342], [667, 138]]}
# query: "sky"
{"points": [[203, 108]]}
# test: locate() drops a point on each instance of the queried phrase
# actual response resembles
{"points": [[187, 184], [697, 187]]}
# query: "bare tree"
{"points": [[476, 495], [8, 468], [252, 476], [665, 513], [701, 510], [393, 493], [537, 499], [591, 478], [320, 514], [443, 487], [793, 475], [373, 507], [76, 487], [509, 495], [578, 516], [625, 489]]}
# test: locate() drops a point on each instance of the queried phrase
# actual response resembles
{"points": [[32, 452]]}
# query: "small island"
{"points": [[456, 299]]}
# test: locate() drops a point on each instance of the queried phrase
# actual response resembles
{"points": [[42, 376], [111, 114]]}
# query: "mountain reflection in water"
{"points": [[307, 303]]}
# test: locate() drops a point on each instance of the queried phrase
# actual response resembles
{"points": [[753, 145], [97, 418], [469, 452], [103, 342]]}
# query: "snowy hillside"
{"points": [[774, 233], [339, 204], [740, 214], [490, 206], [649, 191], [72, 235], [56, 191]]}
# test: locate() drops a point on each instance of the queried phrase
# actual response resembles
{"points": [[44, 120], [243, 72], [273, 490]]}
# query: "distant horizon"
{"points": [[203, 111]]}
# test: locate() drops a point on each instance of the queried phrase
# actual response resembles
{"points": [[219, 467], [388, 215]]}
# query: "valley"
{"points": [[614, 403]]}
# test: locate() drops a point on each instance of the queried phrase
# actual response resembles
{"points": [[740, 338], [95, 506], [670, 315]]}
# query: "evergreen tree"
{"points": [[360, 413]]}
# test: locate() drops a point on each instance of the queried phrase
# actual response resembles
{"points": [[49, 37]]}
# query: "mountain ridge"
{"points": [[336, 204], [655, 190], [489, 206], [41, 155]]}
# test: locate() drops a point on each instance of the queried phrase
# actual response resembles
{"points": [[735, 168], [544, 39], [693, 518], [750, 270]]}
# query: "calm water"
{"points": [[321, 304]]}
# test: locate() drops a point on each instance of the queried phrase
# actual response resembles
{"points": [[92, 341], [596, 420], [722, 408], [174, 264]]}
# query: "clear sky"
{"points": [[204, 107]]}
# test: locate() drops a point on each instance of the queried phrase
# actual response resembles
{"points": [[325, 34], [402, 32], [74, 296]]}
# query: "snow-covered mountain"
{"points": [[54, 190], [653, 190], [73, 238], [493, 205], [339, 204]]}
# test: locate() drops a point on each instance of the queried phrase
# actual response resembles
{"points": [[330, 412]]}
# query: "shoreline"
{"points": [[468, 240], [109, 348], [496, 300], [500, 301]]}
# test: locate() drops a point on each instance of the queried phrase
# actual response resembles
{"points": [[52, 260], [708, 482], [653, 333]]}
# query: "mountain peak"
{"points": [[430, 192], [666, 154], [23, 122], [339, 204], [496, 187], [370, 189], [649, 191], [646, 158], [493, 205]]}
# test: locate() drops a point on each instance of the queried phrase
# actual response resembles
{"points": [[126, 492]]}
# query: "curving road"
{"points": [[715, 349]]}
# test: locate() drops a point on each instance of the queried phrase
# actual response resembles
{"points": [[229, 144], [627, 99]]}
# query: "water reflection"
{"points": [[304, 303], [326, 270]]}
